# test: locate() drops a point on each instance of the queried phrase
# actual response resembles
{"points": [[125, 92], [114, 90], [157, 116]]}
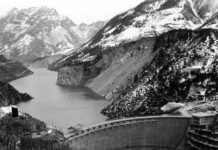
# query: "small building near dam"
{"points": [[203, 132]]}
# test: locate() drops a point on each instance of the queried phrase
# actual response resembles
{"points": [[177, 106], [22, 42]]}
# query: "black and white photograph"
{"points": [[108, 74]]}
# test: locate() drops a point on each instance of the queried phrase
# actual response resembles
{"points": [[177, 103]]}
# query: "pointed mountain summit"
{"points": [[37, 32]]}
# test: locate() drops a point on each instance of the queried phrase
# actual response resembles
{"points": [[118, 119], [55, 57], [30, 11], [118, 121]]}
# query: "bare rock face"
{"points": [[107, 71], [70, 76]]}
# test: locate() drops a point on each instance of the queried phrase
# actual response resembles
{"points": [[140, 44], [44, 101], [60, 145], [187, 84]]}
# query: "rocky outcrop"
{"points": [[70, 76], [107, 70], [11, 70], [10, 96]]}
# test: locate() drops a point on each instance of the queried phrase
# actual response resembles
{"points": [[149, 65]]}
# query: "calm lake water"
{"points": [[59, 106]]}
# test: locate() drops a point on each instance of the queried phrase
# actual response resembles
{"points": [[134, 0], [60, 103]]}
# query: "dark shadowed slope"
{"points": [[184, 70], [11, 70]]}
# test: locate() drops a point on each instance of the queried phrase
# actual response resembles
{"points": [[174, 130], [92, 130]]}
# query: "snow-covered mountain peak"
{"points": [[152, 18], [34, 32]]}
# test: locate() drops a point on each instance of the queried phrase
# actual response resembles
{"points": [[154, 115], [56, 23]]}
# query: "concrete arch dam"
{"points": [[141, 133]]}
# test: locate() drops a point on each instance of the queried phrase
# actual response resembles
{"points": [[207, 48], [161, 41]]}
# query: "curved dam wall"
{"points": [[143, 133]]}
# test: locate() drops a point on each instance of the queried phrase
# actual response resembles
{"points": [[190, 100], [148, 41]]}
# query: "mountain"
{"points": [[185, 69], [134, 27], [127, 47], [29, 34], [150, 19], [154, 17], [83, 31], [11, 70], [86, 32]]}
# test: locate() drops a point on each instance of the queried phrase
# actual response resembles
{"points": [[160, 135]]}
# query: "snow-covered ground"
{"points": [[199, 108], [155, 20]]}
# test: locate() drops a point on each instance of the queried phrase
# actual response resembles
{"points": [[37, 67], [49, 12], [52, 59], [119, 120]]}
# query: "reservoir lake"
{"points": [[60, 107]]}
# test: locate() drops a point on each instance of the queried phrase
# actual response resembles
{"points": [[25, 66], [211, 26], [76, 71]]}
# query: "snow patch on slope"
{"points": [[19, 46], [149, 24]]}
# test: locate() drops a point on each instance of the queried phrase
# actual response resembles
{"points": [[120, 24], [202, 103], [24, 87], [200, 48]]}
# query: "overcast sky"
{"points": [[79, 11]]}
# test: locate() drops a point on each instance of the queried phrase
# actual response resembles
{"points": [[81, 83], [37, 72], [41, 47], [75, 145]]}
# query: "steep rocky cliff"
{"points": [[10, 96], [103, 71], [185, 69], [70, 75], [11, 70]]}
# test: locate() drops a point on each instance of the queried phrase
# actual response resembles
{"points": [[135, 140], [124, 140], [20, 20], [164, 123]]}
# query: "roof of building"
{"points": [[205, 114]]}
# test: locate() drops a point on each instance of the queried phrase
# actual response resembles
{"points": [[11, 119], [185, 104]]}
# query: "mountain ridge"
{"points": [[150, 19], [127, 45], [38, 32], [141, 18], [182, 13]]}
